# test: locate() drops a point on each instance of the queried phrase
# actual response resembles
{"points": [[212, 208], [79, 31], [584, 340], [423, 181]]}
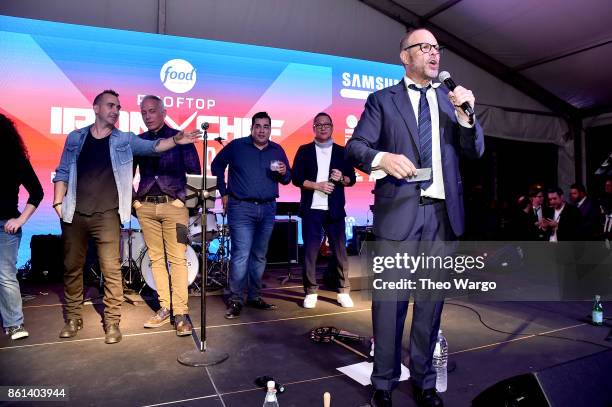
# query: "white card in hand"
{"points": [[423, 174]]}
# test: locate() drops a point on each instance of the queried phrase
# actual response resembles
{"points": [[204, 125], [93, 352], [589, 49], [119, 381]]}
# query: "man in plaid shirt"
{"points": [[160, 206]]}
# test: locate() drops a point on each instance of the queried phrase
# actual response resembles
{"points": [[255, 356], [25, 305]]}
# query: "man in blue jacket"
{"points": [[321, 172], [92, 197], [414, 124]]}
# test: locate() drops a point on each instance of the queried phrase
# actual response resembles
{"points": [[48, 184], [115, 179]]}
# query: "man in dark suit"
{"points": [[591, 223], [414, 124], [563, 223], [539, 211], [321, 172]]}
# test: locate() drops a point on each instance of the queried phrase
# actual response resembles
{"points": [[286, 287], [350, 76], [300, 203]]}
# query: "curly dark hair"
{"points": [[11, 139]]}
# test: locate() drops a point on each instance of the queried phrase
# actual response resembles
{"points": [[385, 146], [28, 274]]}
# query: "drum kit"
{"points": [[136, 263]]}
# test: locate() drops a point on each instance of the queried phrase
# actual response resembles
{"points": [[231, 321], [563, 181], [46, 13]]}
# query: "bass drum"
{"points": [[193, 264]]}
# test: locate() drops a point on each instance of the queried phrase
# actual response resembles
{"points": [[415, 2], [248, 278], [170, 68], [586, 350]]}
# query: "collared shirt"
{"points": [[581, 202], [122, 148], [165, 174], [324, 153], [436, 189], [557, 216], [249, 175], [538, 212]]}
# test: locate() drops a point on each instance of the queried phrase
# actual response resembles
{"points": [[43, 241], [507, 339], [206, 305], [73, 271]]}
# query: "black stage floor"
{"points": [[143, 370]]}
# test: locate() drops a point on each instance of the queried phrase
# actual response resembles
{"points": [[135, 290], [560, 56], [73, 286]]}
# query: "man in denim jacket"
{"points": [[92, 197]]}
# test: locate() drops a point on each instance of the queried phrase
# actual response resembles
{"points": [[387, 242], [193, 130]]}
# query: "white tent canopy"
{"points": [[548, 43]]}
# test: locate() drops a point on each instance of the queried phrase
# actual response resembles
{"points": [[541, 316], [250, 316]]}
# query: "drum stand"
{"points": [[289, 209], [202, 355], [218, 270], [129, 294]]}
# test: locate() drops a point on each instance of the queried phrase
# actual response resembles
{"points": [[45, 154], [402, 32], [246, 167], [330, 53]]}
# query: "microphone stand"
{"points": [[202, 355]]}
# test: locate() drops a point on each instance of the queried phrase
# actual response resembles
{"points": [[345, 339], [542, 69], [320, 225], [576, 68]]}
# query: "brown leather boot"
{"points": [[113, 334], [71, 328]]}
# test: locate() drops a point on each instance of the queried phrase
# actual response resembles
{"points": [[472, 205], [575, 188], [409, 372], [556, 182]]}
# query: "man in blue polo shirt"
{"points": [[256, 166]]}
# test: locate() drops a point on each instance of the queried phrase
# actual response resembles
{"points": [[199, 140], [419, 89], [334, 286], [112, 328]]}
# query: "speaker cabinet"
{"points": [[283, 247], [581, 382], [47, 257]]}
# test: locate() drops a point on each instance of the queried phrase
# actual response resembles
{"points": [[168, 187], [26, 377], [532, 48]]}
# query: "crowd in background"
{"points": [[542, 214]]}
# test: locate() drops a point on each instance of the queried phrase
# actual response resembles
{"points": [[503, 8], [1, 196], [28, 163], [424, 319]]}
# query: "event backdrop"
{"points": [[50, 73]]}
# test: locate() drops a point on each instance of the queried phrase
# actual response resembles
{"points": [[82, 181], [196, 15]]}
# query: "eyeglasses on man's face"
{"points": [[426, 47], [321, 126]]}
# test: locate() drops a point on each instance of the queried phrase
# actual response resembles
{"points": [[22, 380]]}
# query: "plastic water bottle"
{"points": [[597, 313], [440, 362], [271, 400]]}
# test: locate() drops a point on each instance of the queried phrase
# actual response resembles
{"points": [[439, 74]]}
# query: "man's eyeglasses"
{"points": [[426, 47], [321, 126]]}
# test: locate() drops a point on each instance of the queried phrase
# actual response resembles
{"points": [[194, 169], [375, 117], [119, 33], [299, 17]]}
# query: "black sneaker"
{"points": [[233, 311], [259, 303], [17, 332]]}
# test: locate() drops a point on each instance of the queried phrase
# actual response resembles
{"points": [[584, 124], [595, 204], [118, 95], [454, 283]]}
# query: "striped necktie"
{"points": [[424, 127]]}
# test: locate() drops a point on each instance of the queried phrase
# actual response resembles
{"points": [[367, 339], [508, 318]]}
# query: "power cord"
{"points": [[608, 338]]}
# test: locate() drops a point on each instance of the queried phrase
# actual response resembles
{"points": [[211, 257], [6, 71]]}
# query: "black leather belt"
{"points": [[255, 201], [425, 200], [157, 199]]}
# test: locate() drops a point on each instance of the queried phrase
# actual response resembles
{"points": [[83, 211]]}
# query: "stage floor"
{"points": [[143, 370]]}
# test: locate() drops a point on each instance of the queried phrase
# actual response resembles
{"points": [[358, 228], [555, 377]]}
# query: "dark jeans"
{"points": [[314, 222], [104, 229], [250, 226]]}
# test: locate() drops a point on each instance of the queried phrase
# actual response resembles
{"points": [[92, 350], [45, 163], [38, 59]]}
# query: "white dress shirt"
{"points": [[436, 189]]}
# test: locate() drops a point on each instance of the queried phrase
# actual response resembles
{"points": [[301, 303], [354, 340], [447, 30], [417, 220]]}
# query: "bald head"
{"points": [[420, 55], [405, 42]]}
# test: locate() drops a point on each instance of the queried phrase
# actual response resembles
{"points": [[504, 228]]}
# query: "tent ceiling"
{"points": [[557, 51]]}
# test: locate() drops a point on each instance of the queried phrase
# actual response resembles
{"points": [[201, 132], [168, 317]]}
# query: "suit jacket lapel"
{"points": [[403, 105], [443, 113], [336, 158]]}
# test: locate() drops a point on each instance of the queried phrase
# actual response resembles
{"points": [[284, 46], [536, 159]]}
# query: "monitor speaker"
{"points": [[580, 382]]}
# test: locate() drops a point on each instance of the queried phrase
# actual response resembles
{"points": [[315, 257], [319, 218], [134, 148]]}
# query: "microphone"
{"points": [[205, 127], [446, 79]]}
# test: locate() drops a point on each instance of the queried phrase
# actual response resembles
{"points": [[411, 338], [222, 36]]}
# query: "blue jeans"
{"points": [[10, 295], [251, 226]]}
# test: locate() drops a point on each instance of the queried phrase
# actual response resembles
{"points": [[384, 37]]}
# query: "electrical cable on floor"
{"points": [[527, 334]]}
